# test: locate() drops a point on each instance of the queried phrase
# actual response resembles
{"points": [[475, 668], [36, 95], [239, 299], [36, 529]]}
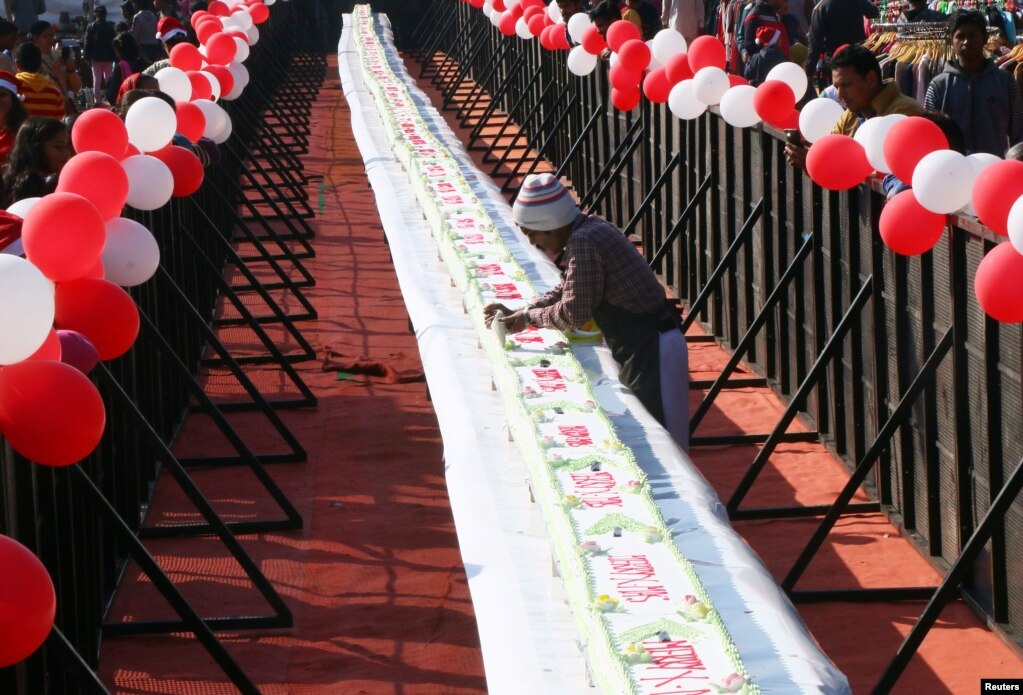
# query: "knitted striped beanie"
{"points": [[544, 204]]}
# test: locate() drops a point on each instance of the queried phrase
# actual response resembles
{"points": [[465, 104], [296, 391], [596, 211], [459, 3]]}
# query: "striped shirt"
{"points": [[42, 96], [598, 264]]}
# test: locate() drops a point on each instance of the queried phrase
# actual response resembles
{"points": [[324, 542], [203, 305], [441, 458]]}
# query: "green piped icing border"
{"points": [[611, 669]]}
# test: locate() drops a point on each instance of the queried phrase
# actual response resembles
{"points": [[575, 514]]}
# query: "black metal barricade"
{"points": [[889, 360], [86, 521]]}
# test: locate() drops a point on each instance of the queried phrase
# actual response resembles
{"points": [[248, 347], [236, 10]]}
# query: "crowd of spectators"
{"points": [[41, 89]]}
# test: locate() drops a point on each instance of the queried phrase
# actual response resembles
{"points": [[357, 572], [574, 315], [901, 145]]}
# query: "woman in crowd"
{"points": [[12, 114], [127, 64], [41, 149]]}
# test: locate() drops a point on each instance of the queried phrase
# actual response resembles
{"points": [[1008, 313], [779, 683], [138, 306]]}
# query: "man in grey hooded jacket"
{"points": [[981, 98]]}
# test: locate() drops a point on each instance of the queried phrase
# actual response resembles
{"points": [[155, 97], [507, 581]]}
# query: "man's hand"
{"points": [[490, 309], [796, 155], [516, 322]]}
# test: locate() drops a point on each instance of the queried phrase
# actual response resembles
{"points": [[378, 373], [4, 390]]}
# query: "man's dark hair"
{"points": [[605, 10], [962, 18], [101, 11], [197, 5], [38, 28], [28, 57], [860, 59]]}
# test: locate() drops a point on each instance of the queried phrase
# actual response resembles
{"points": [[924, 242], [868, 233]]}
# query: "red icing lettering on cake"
{"points": [[489, 269], [550, 380], [596, 489], [473, 238], [673, 667], [635, 579], [506, 291], [575, 435]]}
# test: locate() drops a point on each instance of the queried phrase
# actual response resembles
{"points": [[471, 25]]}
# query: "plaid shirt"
{"points": [[598, 264]]}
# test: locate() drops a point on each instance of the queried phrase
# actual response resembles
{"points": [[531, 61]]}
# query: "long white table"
{"points": [[528, 638]]}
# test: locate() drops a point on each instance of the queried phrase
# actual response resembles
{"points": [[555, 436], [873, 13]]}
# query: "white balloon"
{"points": [[215, 117], [242, 52], [872, 139], [243, 20], [175, 83], [496, 17], [512, 4], [737, 106], [488, 10], [580, 62], [943, 181], [253, 34], [654, 63], [818, 118], [792, 75], [151, 123], [1016, 225], [21, 207], [224, 133], [668, 42], [522, 29], [214, 84], [27, 308], [131, 254], [710, 84], [241, 79], [683, 102], [979, 161], [150, 182], [554, 12], [577, 24]]}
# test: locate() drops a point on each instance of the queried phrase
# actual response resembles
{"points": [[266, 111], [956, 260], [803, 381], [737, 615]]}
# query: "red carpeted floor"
{"points": [[375, 580]]}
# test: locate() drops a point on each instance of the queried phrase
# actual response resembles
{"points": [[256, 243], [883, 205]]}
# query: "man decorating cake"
{"points": [[604, 279]]}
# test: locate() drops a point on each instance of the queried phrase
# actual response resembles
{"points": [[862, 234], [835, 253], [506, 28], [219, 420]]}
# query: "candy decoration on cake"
{"points": [[646, 621]]}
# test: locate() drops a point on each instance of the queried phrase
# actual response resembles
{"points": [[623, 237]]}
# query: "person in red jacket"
{"points": [[12, 114]]}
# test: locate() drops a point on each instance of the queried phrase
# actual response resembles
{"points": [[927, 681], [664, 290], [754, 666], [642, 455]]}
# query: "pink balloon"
{"points": [[76, 350]]}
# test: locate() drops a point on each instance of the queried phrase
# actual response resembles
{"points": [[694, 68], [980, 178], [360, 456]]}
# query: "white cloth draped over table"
{"points": [[527, 634]]}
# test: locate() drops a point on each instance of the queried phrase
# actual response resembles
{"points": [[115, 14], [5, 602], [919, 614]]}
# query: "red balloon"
{"points": [[625, 99], [593, 43], [999, 284], [50, 412], [101, 311], [634, 55], [100, 130], [220, 49], [29, 601], [837, 162], [622, 77], [545, 38], [131, 151], [218, 8], [774, 102], [507, 25], [223, 76], [559, 37], [530, 12], [63, 235], [260, 12], [736, 80], [478, 4], [994, 192], [201, 87], [706, 51], [185, 56], [909, 141], [185, 166], [50, 349], [621, 31], [536, 23], [656, 86], [499, 6], [198, 16], [677, 69], [791, 122], [191, 120], [907, 227], [97, 177], [207, 30], [96, 271]]}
